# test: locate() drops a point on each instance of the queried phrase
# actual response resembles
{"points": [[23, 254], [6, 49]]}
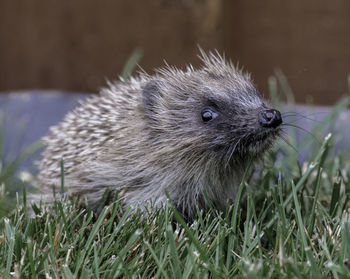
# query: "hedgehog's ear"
{"points": [[150, 94]]}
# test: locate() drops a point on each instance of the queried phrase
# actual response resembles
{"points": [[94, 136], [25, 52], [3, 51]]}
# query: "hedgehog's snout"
{"points": [[270, 118]]}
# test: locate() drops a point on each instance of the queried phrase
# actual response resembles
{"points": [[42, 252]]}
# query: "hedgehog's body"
{"points": [[188, 133]]}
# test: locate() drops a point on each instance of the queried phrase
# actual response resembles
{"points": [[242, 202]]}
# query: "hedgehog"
{"points": [[186, 135]]}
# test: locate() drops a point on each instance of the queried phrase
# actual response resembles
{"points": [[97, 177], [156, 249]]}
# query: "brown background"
{"points": [[76, 45]]}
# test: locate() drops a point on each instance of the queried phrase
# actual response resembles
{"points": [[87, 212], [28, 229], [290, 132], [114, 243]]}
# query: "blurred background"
{"points": [[77, 45]]}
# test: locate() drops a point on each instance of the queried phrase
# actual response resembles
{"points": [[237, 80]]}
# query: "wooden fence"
{"points": [[77, 45]]}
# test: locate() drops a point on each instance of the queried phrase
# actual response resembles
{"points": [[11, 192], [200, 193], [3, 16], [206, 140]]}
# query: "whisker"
{"points": [[289, 144], [297, 112], [302, 129], [303, 117], [231, 153], [226, 156], [300, 115]]}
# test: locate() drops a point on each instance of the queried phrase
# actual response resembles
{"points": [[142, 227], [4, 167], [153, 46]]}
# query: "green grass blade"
{"points": [[302, 231], [10, 237], [335, 196], [131, 63], [92, 236], [11, 168], [173, 253]]}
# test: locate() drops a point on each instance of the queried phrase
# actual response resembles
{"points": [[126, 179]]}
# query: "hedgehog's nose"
{"points": [[270, 118]]}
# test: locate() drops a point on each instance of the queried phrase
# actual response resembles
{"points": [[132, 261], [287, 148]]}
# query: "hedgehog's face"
{"points": [[237, 121], [218, 114]]}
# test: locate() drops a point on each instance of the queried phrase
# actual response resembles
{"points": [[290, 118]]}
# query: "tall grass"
{"points": [[10, 182]]}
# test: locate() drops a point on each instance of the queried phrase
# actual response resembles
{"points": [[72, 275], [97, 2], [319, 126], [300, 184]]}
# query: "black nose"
{"points": [[270, 118]]}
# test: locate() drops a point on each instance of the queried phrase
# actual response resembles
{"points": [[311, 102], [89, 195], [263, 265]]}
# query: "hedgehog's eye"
{"points": [[208, 114]]}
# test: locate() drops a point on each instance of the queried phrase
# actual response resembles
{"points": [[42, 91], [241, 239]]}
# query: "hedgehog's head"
{"points": [[215, 108]]}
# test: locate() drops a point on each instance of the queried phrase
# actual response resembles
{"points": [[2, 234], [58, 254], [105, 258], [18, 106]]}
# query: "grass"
{"points": [[287, 221], [10, 182]]}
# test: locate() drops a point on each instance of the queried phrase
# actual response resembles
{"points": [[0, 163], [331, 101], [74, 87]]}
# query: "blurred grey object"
{"points": [[27, 115]]}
